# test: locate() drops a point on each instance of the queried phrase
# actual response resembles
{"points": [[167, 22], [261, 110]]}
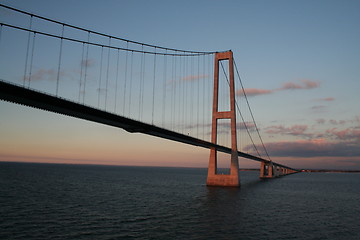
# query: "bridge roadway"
{"points": [[23, 96]]}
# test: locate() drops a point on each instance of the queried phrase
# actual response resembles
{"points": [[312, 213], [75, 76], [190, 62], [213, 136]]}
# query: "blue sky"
{"points": [[299, 61]]}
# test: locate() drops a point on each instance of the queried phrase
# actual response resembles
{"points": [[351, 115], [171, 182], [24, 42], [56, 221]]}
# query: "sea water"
{"points": [[54, 201]]}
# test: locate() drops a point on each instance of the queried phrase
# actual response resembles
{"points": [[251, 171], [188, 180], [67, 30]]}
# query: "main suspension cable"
{"points": [[102, 34], [257, 129], [237, 106]]}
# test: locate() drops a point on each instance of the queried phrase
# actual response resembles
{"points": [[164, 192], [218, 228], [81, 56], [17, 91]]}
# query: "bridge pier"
{"points": [[266, 170], [232, 179]]}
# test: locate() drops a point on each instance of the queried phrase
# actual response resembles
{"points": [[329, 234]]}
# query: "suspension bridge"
{"points": [[191, 97]]}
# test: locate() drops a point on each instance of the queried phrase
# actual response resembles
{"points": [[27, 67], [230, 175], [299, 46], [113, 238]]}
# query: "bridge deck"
{"points": [[31, 98]]}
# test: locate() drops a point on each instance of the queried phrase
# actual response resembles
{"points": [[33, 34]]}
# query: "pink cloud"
{"points": [[328, 99], [309, 148], [248, 125], [48, 75], [305, 84], [295, 130], [348, 134], [310, 84], [194, 77], [44, 74], [240, 125], [290, 85], [253, 92]]}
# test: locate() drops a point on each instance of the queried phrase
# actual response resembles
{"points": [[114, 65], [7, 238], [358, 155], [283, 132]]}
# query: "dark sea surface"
{"points": [[53, 201]]}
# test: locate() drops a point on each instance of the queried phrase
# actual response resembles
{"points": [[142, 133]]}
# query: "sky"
{"points": [[299, 62]]}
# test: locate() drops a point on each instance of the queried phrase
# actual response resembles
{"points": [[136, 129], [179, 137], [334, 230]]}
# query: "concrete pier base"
{"points": [[223, 180]]}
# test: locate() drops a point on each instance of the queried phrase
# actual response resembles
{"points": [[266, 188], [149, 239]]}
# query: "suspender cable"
{"points": [[60, 54], [86, 65], [188, 93], [31, 59], [203, 96], [198, 99], [125, 78], [101, 65], [27, 51], [81, 69], [142, 86], [179, 101], [131, 80], [191, 93], [181, 96], [107, 73], [173, 94], [164, 91], [185, 94], [153, 92], [1, 27], [116, 79], [209, 98], [183, 83], [176, 95], [141, 83]]}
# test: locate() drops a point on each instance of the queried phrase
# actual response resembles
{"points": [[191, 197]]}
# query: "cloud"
{"points": [[357, 119], [310, 148], [44, 74], [335, 122], [194, 77], [249, 125], [101, 90], [348, 134], [327, 99], [318, 108], [87, 62], [239, 126], [252, 92], [310, 84], [320, 121], [304, 84], [295, 130], [189, 78], [225, 125]]}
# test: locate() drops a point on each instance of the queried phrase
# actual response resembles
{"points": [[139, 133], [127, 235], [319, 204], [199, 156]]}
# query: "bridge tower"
{"points": [[232, 179]]}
